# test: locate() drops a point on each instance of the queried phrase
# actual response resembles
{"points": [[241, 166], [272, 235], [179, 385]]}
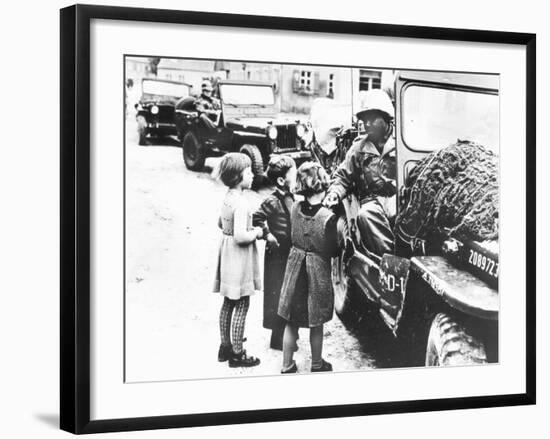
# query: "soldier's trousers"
{"points": [[207, 128], [374, 222]]}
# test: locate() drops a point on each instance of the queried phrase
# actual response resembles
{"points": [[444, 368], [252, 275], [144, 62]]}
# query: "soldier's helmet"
{"points": [[206, 85], [375, 100]]}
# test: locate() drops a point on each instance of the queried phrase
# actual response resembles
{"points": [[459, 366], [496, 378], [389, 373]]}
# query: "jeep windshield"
{"points": [[436, 117], [165, 89], [247, 95]]}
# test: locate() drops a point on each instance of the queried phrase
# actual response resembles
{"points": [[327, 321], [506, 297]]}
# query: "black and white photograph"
{"points": [[284, 219], [275, 219]]}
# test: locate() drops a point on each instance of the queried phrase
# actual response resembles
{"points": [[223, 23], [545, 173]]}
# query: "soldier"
{"points": [[206, 102], [208, 107], [369, 171]]}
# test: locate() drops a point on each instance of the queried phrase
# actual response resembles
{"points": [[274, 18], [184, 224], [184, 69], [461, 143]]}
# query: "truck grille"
{"points": [[166, 113], [286, 137]]}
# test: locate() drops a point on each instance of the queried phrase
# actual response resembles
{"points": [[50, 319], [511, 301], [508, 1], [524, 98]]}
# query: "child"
{"points": [[307, 299], [238, 270], [274, 217]]}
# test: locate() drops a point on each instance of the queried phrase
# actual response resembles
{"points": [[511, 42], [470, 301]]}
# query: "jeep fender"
{"points": [[247, 136], [241, 138], [460, 289]]}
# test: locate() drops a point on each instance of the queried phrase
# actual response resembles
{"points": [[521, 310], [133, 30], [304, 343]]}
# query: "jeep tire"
{"points": [[450, 345], [255, 155], [348, 299], [142, 130], [194, 154]]}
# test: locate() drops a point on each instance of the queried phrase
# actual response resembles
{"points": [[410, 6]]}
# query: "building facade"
{"points": [[295, 86], [190, 71], [137, 68]]}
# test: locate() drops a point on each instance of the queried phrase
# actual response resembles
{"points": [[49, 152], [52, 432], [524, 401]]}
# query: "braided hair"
{"points": [[312, 179]]}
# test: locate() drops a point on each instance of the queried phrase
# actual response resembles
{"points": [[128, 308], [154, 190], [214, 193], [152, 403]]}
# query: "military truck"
{"points": [[439, 299], [247, 122], [155, 111]]}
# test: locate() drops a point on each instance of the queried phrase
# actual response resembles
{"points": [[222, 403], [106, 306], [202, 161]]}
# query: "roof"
{"points": [[186, 64], [165, 80], [138, 59], [244, 82]]}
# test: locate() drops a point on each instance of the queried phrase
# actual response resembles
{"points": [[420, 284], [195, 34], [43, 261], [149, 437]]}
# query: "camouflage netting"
{"points": [[452, 192]]}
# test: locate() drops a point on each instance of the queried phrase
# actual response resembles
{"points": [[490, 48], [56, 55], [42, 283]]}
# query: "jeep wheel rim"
{"points": [[192, 152]]}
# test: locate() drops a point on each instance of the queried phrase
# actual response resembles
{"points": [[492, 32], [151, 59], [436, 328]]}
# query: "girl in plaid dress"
{"points": [[238, 269]]}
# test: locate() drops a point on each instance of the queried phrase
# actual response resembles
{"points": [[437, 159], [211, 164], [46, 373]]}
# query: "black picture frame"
{"points": [[75, 217]]}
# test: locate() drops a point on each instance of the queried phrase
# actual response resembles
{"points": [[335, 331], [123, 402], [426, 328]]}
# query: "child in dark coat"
{"points": [[273, 217], [307, 298]]}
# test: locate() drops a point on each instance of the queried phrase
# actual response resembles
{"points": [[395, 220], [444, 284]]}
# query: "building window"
{"points": [[305, 82], [305, 79], [330, 92], [369, 79]]}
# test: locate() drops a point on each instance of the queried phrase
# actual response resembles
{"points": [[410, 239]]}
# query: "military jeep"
{"points": [[155, 109], [438, 298], [247, 123]]}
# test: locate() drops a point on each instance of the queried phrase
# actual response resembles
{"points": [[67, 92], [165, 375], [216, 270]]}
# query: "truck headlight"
{"points": [[154, 109], [272, 132], [300, 130]]}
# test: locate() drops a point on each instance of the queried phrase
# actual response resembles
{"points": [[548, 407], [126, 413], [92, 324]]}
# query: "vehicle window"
{"points": [[160, 88], [433, 118], [238, 94]]}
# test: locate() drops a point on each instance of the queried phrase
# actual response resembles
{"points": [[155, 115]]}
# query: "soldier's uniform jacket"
{"points": [[366, 171], [205, 103]]}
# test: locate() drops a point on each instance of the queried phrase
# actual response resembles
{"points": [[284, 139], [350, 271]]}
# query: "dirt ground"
{"points": [[171, 244]]}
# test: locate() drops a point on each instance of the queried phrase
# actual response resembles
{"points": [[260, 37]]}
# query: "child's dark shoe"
{"points": [[243, 360], [325, 367], [291, 369], [224, 353]]}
